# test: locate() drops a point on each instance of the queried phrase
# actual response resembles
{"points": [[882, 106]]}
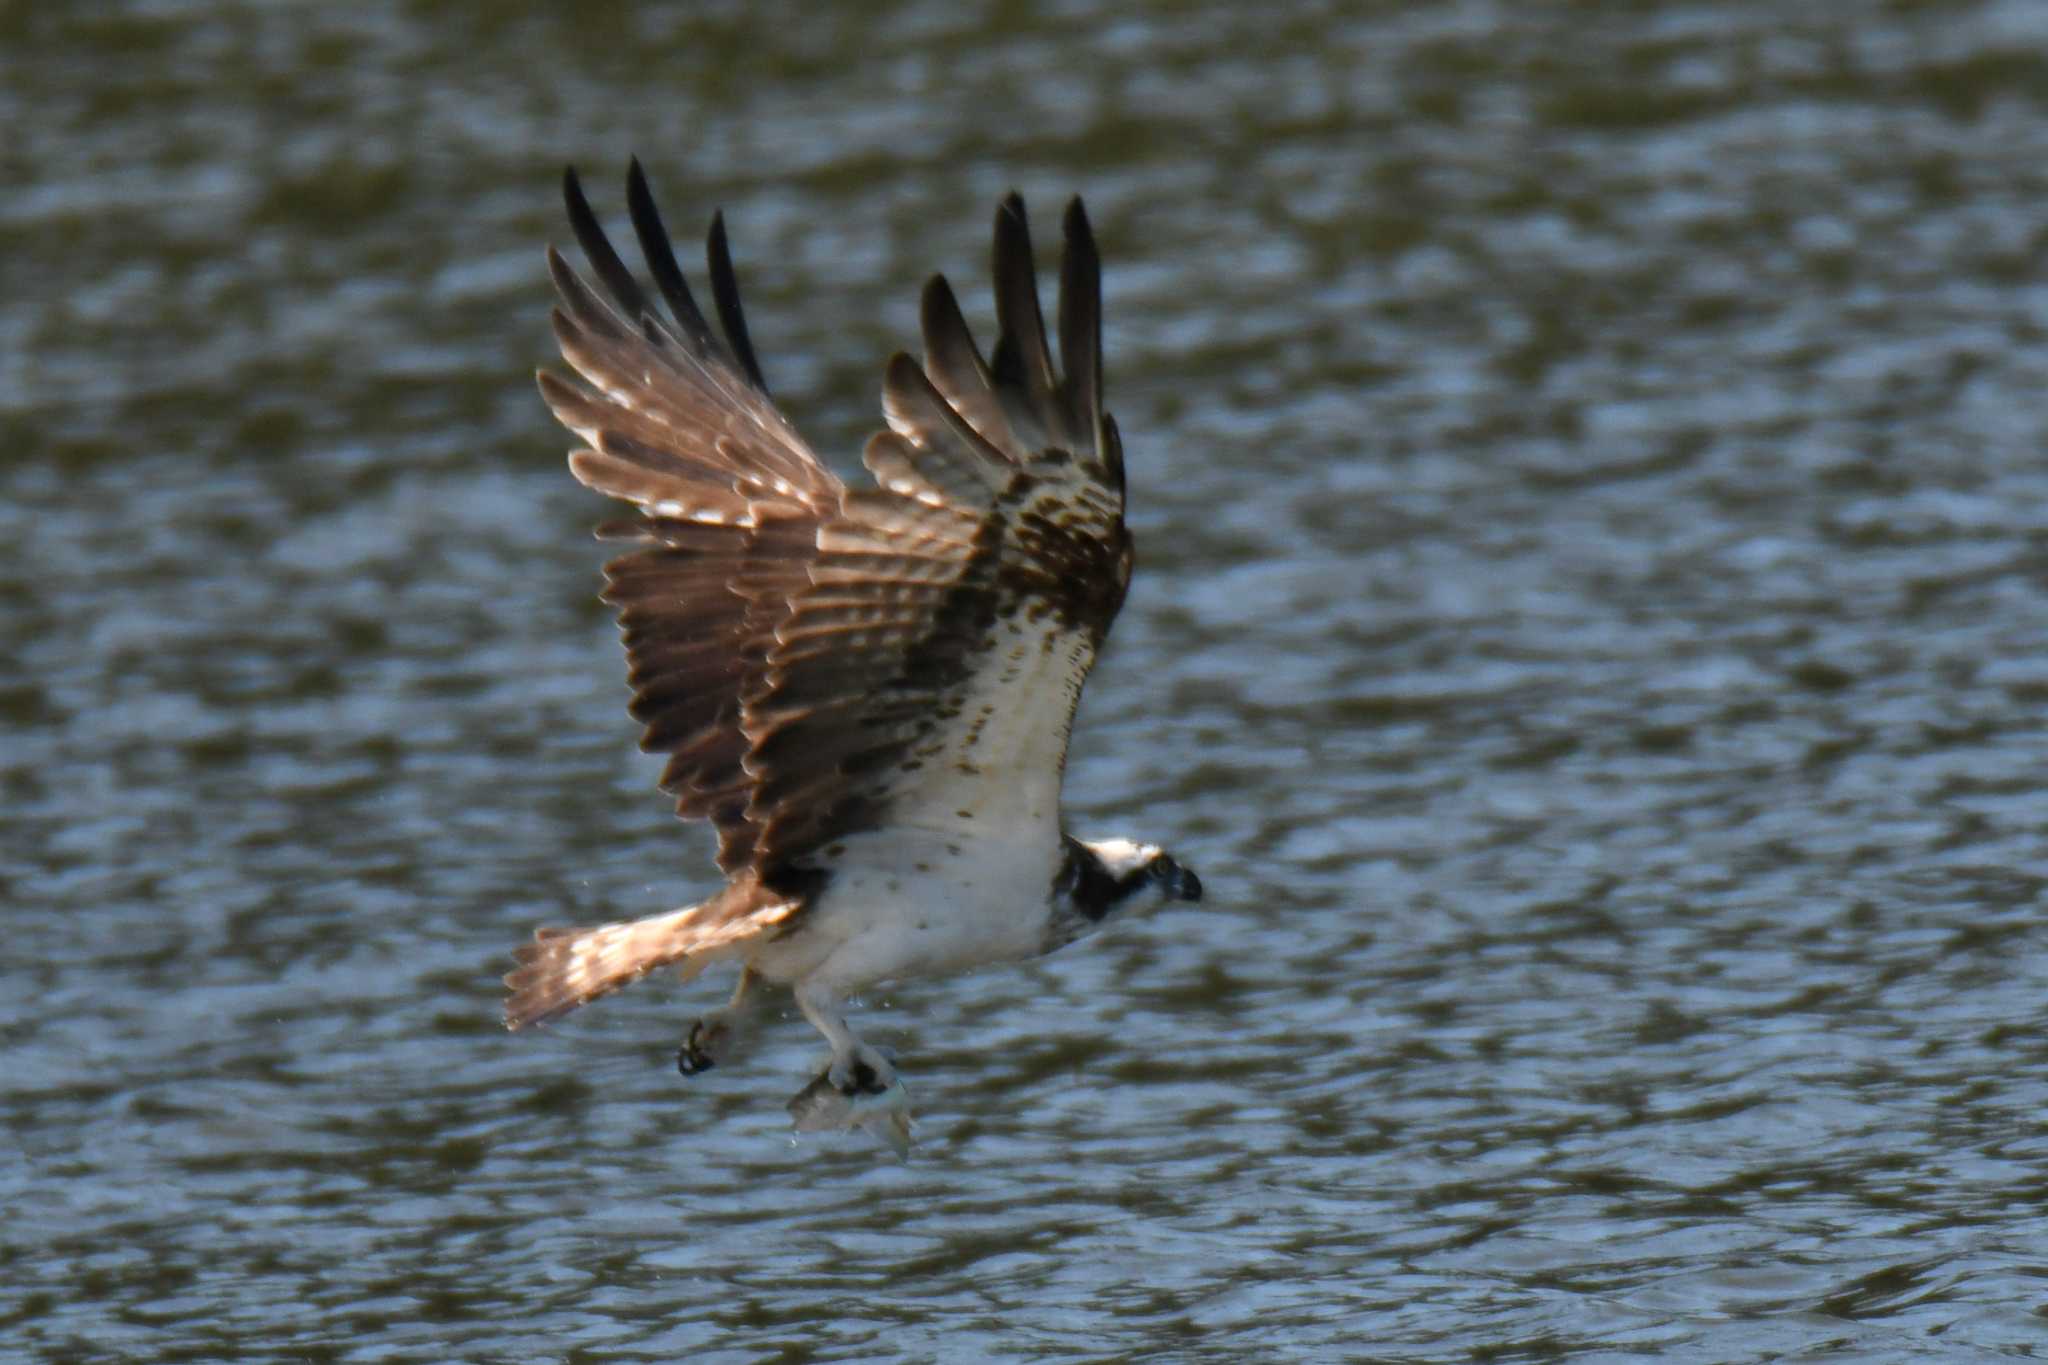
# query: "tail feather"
{"points": [[564, 968]]}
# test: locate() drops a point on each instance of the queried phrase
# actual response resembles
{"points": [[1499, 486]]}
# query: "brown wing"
{"points": [[794, 646], [930, 671], [679, 422]]}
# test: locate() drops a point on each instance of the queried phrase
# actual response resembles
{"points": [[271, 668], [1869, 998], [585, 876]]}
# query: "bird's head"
{"points": [[1106, 879]]}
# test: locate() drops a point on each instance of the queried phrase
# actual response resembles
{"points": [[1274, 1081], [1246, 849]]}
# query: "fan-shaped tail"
{"points": [[564, 968]]}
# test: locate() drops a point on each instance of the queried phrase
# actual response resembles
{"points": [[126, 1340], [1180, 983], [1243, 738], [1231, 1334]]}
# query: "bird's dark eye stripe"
{"points": [[1092, 887]]}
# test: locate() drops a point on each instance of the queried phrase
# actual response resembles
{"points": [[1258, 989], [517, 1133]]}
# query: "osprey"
{"points": [[868, 691]]}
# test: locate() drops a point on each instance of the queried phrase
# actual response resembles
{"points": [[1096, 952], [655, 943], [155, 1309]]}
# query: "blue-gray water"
{"points": [[1590, 466]]}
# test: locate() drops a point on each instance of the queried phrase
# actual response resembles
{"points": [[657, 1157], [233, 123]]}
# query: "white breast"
{"points": [[960, 874], [910, 902]]}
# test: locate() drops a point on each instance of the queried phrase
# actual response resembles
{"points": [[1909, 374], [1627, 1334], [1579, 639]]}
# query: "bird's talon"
{"points": [[864, 1073], [695, 1057]]}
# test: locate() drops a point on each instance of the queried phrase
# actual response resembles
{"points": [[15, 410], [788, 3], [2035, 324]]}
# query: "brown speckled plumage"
{"points": [[802, 651]]}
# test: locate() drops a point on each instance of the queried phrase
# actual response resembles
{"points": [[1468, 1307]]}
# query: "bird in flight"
{"points": [[866, 691]]}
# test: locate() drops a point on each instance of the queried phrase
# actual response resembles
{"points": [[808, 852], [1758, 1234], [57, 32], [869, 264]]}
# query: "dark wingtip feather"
{"points": [[725, 292], [1021, 355], [1113, 451], [563, 398], [954, 363], [579, 308], [936, 304], [910, 395], [901, 369], [948, 341], [661, 256], [558, 264], [1081, 319], [625, 290]]}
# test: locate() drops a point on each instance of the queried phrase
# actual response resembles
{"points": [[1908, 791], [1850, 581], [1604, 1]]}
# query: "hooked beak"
{"points": [[1184, 885]]}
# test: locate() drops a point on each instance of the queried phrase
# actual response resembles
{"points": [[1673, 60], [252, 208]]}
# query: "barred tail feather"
{"points": [[564, 968]]}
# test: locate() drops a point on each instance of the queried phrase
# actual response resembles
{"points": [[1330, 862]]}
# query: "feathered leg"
{"points": [[716, 1034], [856, 1067]]}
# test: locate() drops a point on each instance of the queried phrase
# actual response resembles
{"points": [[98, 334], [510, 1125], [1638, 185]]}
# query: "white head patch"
{"points": [[1121, 856]]}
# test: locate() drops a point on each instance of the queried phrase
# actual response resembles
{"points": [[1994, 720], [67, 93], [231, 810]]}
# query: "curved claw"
{"points": [[865, 1071], [695, 1056]]}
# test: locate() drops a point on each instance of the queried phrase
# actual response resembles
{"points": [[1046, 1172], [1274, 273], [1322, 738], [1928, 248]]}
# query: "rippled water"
{"points": [[1589, 471]]}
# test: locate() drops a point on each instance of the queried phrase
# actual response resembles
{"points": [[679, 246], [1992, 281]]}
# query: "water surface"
{"points": [[1588, 470]]}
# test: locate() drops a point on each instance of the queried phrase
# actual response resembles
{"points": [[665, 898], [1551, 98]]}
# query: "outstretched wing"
{"points": [[936, 660], [816, 660], [679, 422]]}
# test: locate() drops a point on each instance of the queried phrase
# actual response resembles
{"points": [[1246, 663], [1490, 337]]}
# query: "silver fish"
{"points": [[821, 1107]]}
